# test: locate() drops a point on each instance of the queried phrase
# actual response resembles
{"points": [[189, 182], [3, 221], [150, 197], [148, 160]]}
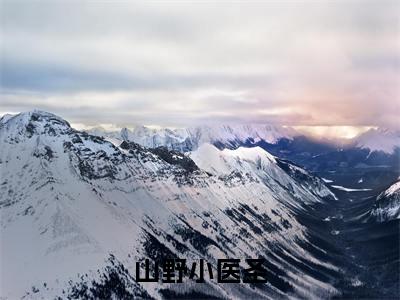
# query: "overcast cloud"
{"points": [[175, 64]]}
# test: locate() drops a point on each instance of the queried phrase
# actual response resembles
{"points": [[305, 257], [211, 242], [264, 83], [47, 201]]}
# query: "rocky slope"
{"points": [[387, 204]]}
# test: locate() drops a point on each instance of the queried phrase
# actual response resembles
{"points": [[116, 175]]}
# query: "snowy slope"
{"points": [[379, 140], [387, 204], [75, 208], [258, 162]]}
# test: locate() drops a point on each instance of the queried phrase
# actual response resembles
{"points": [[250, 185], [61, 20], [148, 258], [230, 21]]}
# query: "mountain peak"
{"points": [[379, 139], [36, 115], [34, 122]]}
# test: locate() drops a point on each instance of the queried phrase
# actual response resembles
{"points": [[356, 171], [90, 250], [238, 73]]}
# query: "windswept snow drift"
{"points": [[342, 188]]}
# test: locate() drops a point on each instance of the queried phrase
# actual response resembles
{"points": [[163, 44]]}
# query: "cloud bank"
{"points": [[175, 64]]}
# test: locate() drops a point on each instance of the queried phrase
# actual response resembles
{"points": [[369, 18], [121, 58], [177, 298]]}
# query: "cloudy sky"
{"points": [[174, 64]]}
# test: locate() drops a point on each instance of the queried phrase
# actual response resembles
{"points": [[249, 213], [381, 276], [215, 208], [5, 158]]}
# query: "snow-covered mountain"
{"points": [[380, 139], [187, 139], [233, 136], [387, 204], [78, 211]]}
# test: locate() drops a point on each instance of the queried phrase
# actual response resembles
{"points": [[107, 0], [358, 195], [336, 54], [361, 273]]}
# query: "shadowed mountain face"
{"points": [[77, 213], [365, 222], [351, 166]]}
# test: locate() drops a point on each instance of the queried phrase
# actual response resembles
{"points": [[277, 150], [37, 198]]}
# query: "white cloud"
{"points": [[302, 63]]}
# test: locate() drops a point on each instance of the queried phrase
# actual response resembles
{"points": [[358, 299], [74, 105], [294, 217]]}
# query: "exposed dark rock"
{"points": [[175, 158]]}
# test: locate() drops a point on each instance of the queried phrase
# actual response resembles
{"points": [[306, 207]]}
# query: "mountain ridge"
{"points": [[231, 136]]}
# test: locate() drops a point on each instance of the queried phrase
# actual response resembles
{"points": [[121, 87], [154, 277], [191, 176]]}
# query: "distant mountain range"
{"points": [[229, 136], [188, 139]]}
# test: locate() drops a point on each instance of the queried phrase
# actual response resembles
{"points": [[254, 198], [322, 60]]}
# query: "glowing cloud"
{"points": [[302, 63]]}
